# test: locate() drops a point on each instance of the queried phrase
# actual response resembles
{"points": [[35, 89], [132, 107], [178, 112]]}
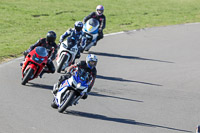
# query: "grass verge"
{"points": [[23, 22]]}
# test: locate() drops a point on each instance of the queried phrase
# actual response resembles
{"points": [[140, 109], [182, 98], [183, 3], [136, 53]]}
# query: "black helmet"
{"points": [[51, 36]]}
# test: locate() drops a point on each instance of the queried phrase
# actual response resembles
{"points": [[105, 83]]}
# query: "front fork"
{"points": [[79, 97]]}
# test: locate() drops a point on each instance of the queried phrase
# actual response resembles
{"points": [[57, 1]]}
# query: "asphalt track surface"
{"points": [[148, 82]]}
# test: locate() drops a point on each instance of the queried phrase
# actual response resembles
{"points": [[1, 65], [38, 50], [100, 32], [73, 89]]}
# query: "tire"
{"points": [[68, 102], [53, 104], [64, 58], [27, 76]]}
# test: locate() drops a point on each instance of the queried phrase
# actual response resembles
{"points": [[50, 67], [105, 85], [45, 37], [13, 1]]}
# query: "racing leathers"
{"points": [[102, 22], [74, 37], [51, 48], [81, 65]]}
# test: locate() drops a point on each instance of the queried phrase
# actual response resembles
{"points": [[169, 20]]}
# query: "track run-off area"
{"points": [[148, 82]]}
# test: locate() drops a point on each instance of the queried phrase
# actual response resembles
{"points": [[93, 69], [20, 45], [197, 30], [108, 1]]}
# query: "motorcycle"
{"points": [[66, 55], [90, 30], [34, 63], [71, 90]]}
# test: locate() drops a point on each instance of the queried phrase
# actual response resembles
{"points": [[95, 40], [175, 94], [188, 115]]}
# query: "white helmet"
{"points": [[99, 10], [91, 61]]}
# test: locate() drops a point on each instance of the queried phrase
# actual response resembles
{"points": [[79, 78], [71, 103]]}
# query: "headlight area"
{"points": [[36, 59], [78, 85]]}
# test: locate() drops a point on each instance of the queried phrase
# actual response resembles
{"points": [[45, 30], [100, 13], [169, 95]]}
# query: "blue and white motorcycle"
{"points": [[90, 30], [71, 90]]}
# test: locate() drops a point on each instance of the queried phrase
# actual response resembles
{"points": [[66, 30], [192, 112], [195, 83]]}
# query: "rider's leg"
{"points": [[100, 36], [50, 68]]}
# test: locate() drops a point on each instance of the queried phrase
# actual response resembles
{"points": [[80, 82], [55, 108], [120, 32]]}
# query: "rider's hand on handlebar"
{"points": [[26, 52]]}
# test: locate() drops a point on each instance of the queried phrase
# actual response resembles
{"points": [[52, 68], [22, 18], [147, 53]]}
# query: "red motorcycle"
{"points": [[34, 63]]}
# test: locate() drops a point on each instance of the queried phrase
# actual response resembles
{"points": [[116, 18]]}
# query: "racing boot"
{"points": [[41, 74], [75, 103], [21, 64], [45, 70], [95, 43], [85, 95]]}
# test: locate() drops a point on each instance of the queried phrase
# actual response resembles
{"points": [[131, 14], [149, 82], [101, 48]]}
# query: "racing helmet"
{"points": [[91, 61], [51, 36], [78, 26], [99, 10]]}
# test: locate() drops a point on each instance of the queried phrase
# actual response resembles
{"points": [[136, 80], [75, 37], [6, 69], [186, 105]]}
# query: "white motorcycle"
{"points": [[66, 55], [90, 30], [71, 90]]}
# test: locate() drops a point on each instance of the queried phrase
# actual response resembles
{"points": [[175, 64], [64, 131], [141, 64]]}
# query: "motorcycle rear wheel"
{"points": [[27, 76], [67, 102]]}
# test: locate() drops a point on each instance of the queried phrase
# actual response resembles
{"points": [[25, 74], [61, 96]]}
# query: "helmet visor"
{"points": [[78, 28], [51, 39], [100, 11], [92, 63]]}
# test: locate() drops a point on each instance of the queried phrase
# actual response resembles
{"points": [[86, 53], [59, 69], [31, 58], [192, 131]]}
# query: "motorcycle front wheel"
{"points": [[67, 101], [27, 76], [63, 59]]}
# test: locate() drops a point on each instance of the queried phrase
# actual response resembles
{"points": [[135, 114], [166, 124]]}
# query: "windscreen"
{"points": [[41, 51], [93, 22], [83, 75]]}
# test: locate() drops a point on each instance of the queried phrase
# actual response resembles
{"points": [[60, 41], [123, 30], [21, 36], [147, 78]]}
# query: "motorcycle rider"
{"points": [[88, 66], [50, 45], [100, 17], [74, 36]]}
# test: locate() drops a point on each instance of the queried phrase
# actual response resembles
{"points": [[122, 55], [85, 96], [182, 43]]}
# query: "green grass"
{"points": [[23, 22]]}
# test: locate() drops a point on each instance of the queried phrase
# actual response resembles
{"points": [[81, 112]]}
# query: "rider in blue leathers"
{"points": [[89, 65], [74, 35]]}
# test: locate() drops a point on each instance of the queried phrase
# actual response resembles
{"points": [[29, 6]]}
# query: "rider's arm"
{"points": [[103, 23], [91, 82], [66, 34], [88, 17], [71, 69], [38, 43], [54, 52], [92, 79]]}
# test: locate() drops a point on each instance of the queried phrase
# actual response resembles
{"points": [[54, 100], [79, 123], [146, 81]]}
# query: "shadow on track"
{"points": [[119, 120], [103, 95], [42, 86], [124, 80], [125, 56]]}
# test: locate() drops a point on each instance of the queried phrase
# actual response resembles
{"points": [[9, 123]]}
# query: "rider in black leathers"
{"points": [[100, 17], [50, 45]]}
